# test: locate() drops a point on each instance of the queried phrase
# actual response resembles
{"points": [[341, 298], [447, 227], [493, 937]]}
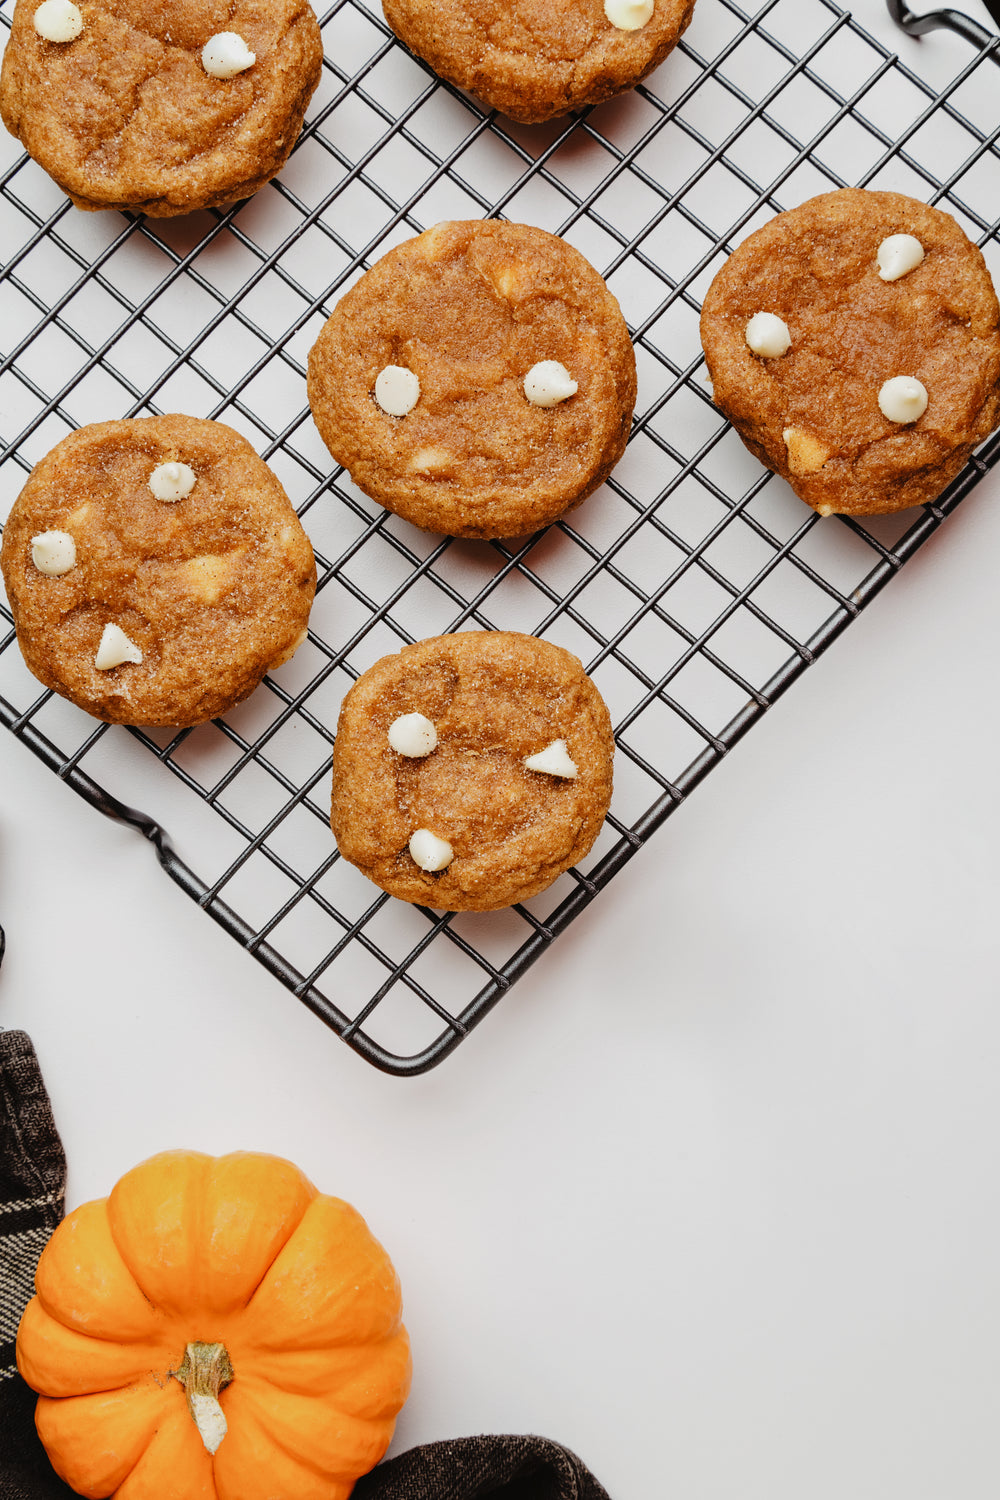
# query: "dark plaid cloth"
{"points": [[482, 1468], [32, 1182]]}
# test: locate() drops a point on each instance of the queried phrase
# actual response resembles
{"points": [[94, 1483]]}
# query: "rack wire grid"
{"points": [[694, 586]]}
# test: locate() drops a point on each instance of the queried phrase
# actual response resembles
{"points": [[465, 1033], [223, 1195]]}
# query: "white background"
{"points": [[712, 1196]]}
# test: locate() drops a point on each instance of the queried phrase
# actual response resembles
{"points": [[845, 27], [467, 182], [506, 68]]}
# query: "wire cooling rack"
{"points": [[695, 587]]}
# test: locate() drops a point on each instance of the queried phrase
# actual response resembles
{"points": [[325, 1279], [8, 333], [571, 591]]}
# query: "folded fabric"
{"points": [[32, 1187], [477, 1468]]}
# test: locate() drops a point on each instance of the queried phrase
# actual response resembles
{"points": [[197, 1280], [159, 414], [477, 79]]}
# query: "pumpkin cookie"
{"points": [[854, 344], [534, 61], [159, 107], [479, 380], [156, 570], [470, 770]]}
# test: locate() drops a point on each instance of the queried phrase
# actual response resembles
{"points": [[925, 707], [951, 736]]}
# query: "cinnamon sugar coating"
{"points": [[214, 589], [126, 117], [813, 414], [536, 59], [470, 308], [495, 698]]}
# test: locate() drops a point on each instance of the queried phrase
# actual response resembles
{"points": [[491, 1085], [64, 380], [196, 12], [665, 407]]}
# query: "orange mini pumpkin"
{"points": [[216, 1329]]}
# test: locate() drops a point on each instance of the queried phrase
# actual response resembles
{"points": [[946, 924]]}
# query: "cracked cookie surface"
{"points": [[126, 117], [536, 59], [813, 413], [469, 308], [211, 590], [495, 698]]}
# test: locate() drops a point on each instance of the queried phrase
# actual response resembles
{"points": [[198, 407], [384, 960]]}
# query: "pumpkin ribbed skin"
{"points": [[239, 1251]]}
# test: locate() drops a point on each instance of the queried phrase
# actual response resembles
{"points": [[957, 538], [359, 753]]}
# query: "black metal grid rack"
{"points": [[694, 586]]}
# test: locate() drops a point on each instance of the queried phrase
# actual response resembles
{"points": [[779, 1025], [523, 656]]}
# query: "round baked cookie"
{"points": [[162, 607], [536, 59], [854, 344], [417, 380], [125, 114], [501, 780]]}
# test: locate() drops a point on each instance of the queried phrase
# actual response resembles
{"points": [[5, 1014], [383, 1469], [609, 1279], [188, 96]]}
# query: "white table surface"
{"points": [[712, 1196]]}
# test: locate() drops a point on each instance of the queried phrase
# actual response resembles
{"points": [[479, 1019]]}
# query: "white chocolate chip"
{"points": [[430, 243], [554, 760], [58, 21], [80, 516], [53, 553], [512, 280], [211, 574], [430, 852], [903, 399], [806, 452], [628, 15], [768, 335], [172, 482], [397, 390], [434, 460], [226, 54], [548, 383], [413, 735], [897, 255], [115, 648]]}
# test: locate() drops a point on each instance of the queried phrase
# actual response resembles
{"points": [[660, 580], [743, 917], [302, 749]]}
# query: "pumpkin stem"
{"points": [[204, 1370]]}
